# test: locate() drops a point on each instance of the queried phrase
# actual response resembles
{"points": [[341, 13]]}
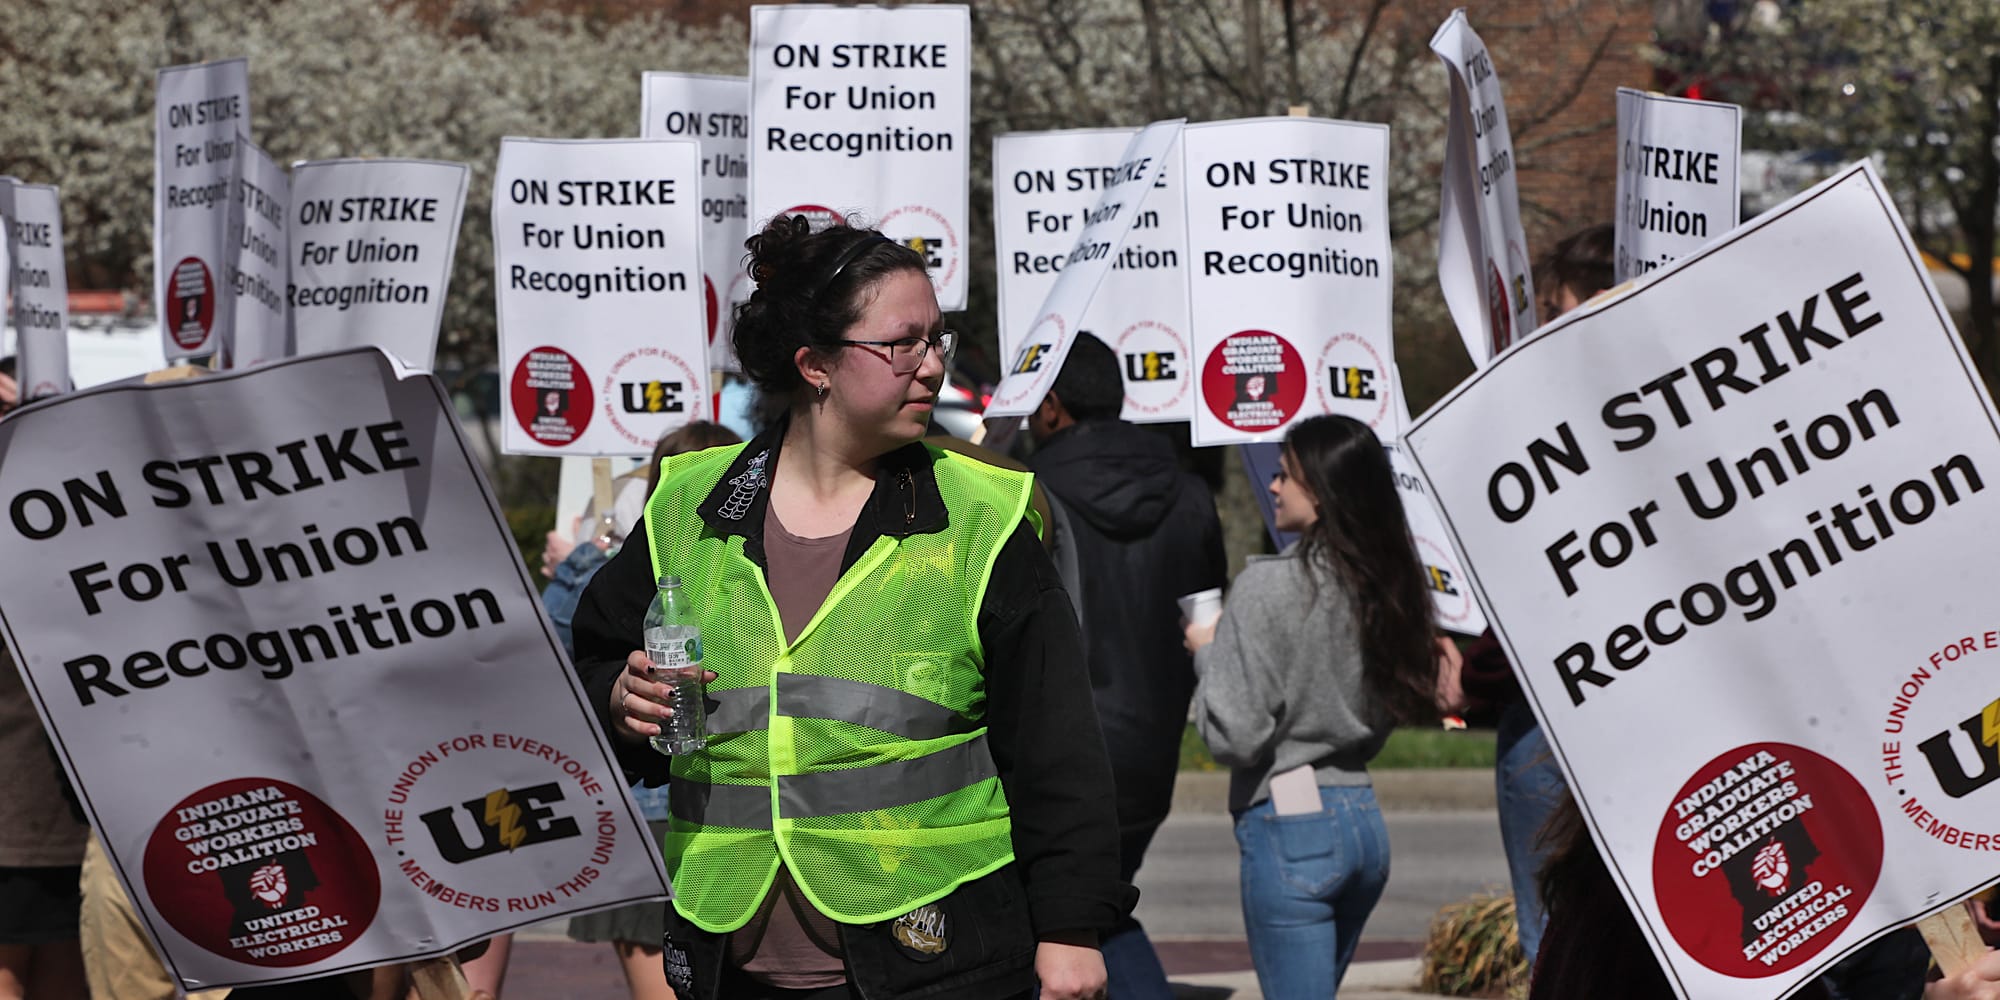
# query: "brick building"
{"points": [[1561, 64]]}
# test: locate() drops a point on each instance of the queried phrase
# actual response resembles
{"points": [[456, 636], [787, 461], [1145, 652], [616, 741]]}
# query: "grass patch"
{"points": [[1409, 747]]}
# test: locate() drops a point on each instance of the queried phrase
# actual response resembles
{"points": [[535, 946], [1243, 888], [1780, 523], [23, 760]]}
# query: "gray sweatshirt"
{"points": [[1281, 684]]}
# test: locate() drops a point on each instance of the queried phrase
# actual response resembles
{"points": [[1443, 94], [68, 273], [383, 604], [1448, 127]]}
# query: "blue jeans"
{"points": [[566, 588], [1529, 787], [1132, 968], [1309, 883], [652, 802]]}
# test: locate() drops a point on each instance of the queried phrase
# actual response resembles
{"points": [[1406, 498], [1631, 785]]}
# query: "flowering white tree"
{"points": [[328, 78], [1915, 86], [1042, 65]]}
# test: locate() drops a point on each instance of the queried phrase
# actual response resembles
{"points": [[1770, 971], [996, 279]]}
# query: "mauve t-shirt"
{"points": [[789, 944]]}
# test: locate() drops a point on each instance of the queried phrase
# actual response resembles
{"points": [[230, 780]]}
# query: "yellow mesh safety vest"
{"points": [[857, 754]]}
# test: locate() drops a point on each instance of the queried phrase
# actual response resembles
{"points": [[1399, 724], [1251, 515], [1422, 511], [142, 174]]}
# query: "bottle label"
{"points": [[675, 654]]}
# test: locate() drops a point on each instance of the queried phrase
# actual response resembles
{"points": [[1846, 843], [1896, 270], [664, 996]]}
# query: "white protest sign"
{"points": [[1483, 264], [1045, 183], [1678, 173], [40, 283], [715, 112], [373, 242], [198, 112], [1288, 275], [1099, 240], [867, 111], [295, 668], [8, 341], [259, 217], [1444, 565], [597, 261], [1734, 528], [1444, 569]]}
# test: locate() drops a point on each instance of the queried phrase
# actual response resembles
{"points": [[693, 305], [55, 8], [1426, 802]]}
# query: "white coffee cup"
{"points": [[1201, 608]]}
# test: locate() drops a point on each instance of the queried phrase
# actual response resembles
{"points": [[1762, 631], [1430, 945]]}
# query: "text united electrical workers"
{"points": [[1795, 339], [872, 93], [301, 551], [625, 276]]}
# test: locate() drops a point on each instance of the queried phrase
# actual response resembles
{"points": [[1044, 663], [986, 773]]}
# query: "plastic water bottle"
{"points": [[673, 643]]}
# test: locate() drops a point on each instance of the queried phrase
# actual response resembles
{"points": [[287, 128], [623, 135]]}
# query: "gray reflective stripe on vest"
{"points": [[885, 786], [805, 696], [746, 807], [739, 710]]}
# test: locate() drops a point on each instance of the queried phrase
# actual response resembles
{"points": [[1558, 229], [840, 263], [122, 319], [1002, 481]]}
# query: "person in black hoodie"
{"points": [[1144, 533]]}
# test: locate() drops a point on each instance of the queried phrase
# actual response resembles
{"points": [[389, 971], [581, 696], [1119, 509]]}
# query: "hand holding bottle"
{"points": [[639, 704]]}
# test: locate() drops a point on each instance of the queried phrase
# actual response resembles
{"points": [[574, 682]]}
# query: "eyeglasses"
{"points": [[906, 354]]}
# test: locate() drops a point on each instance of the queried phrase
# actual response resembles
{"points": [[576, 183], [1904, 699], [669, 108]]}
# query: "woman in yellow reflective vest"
{"points": [[904, 791]]}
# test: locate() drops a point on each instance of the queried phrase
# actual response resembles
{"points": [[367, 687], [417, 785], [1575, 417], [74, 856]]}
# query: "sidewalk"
{"points": [[1391, 979], [547, 966]]}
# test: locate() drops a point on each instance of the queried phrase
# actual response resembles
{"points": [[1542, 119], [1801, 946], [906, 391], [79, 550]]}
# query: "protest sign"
{"points": [[1100, 238], [1444, 565], [302, 684], [597, 259], [1678, 171], [1046, 183], [1444, 570], [1733, 528], [40, 285], [374, 242], [1288, 275], [1483, 263], [867, 111], [8, 341], [259, 212], [714, 111], [198, 112], [1262, 461]]}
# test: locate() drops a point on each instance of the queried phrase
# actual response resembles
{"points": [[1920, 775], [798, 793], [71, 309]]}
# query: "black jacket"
{"points": [[1145, 534], [1041, 726]]}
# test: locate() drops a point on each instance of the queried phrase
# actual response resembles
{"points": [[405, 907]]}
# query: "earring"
{"points": [[821, 389]]}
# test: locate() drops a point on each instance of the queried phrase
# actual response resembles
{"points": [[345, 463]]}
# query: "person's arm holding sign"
{"points": [[1979, 981]]}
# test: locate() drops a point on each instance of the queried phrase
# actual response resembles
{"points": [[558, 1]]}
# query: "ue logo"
{"points": [[1982, 729], [1351, 383], [504, 819], [926, 247], [1150, 366], [651, 397], [1031, 360], [1439, 579]]}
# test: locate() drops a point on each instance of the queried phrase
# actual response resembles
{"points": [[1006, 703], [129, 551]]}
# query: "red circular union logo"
{"points": [[1764, 858], [262, 872], [1254, 381], [190, 311], [551, 396], [818, 216]]}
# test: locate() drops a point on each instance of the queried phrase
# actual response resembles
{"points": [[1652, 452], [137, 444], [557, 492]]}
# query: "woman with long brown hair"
{"points": [[1320, 651]]}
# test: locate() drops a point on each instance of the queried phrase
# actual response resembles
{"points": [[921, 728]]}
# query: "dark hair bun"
{"points": [[806, 296]]}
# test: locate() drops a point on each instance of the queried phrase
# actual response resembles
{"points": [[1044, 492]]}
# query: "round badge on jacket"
{"points": [[922, 930]]}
